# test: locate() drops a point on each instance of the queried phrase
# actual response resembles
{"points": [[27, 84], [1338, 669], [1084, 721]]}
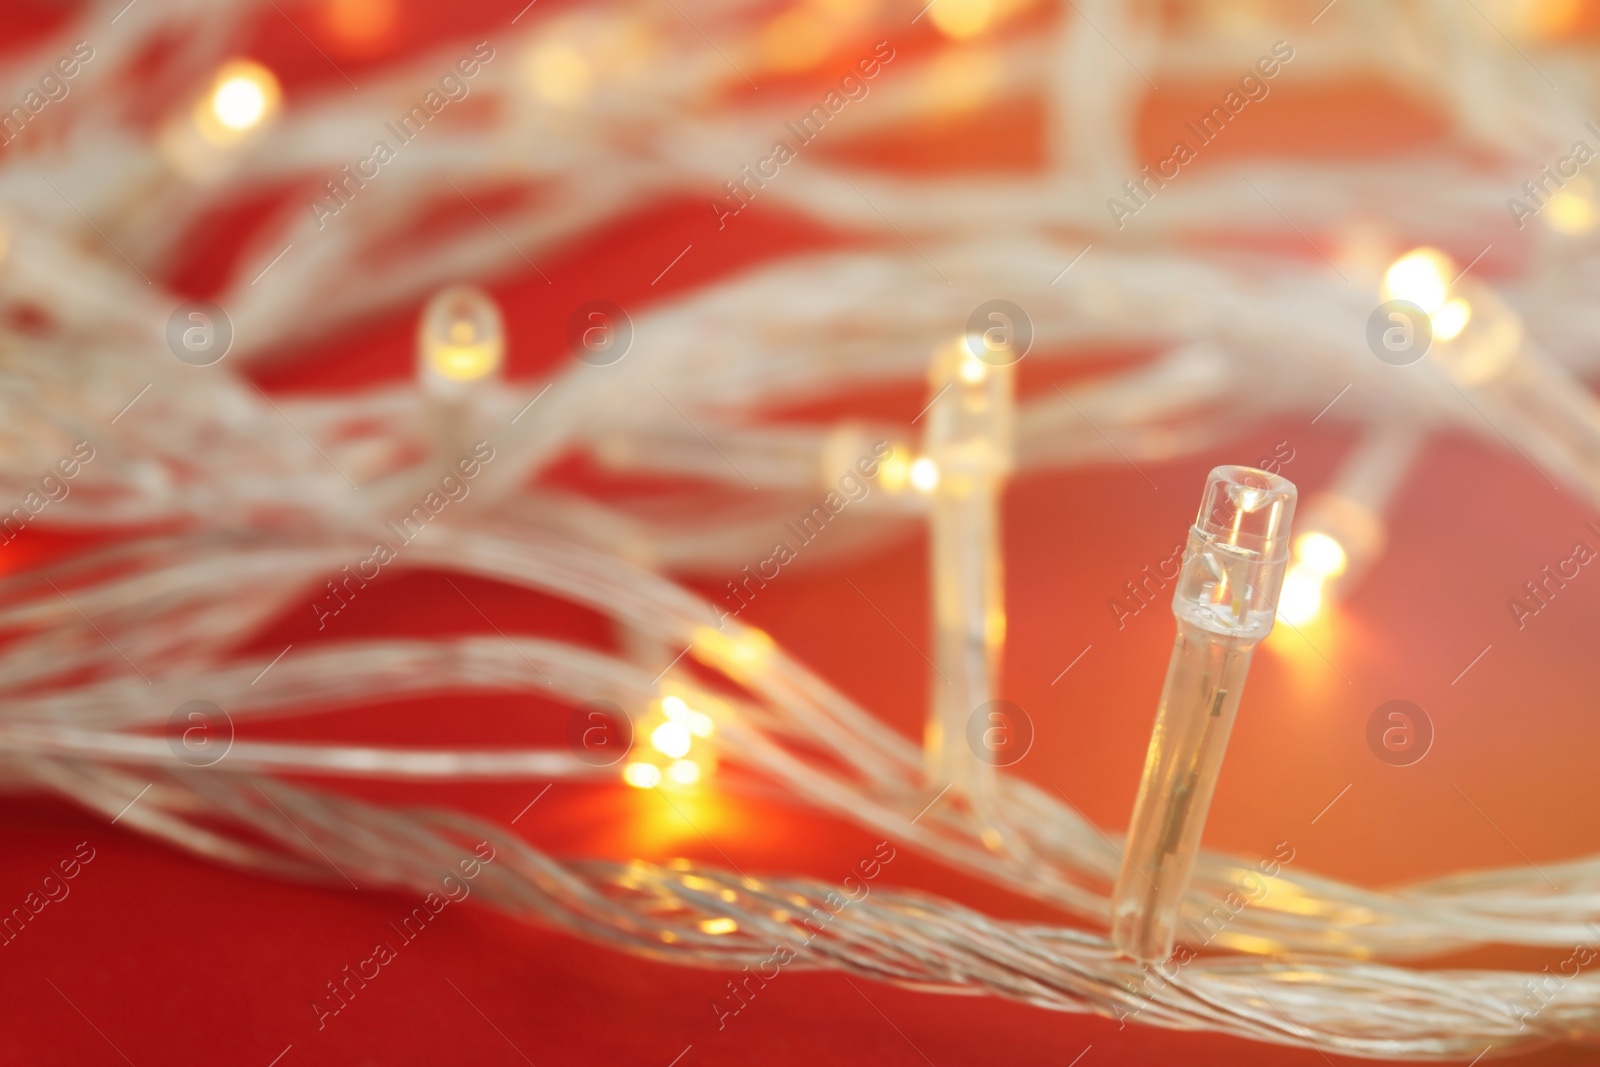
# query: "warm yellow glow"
{"points": [[718, 926], [1320, 553], [464, 363], [925, 474], [698, 722], [671, 739], [1301, 599], [796, 40], [894, 471], [1451, 319], [972, 370], [243, 96], [1421, 276], [961, 80], [684, 772], [739, 654], [961, 19], [642, 775], [1571, 210], [561, 74]]}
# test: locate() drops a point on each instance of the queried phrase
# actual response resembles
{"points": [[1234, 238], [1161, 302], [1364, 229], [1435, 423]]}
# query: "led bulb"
{"points": [[461, 340], [671, 739], [924, 474], [1225, 600], [1422, 276], [243, 97]]}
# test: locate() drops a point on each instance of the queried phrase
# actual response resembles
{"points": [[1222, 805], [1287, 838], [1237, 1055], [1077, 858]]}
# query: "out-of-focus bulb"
{"points": [[1301, 599], [972, 370], [1321, 553], [642, 775], [722, 925], [960, 19], [894, 470], [671, 739], [1572, 210], [684, 772], [243, 96], [1451, 319], [1421, 276], [925, 474], [561, 75], [461, 339]]}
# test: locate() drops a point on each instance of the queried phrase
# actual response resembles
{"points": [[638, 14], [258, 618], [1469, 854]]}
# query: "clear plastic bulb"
{"points": [[1225, 601], [968, 446], [461, 341]]}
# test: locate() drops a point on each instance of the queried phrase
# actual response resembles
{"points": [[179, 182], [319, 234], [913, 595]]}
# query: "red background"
{"points": [[158, 957]]}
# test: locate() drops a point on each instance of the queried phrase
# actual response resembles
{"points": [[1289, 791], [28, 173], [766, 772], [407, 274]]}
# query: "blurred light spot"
{"points": [[1571, 210], [960, 19], [925, 474], [719, 926], [244, 95], [671, 739], [684, 772], [1301, 599], [796, 40], [642, 775], [561, 75], [1421, 276], [1451, 319], [1321, 553]]}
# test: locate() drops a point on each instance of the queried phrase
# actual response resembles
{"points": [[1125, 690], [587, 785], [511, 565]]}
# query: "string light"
{"points": [[924, 474], [1225, 601]]}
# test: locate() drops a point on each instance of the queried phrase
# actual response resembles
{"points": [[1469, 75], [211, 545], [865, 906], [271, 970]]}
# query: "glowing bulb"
{"points": [[972, 370], [685, 772], [925, 474], [719, 926], [642, 775], [671, 739], [1301, 599], [243, 95], [1571, 210], [1451, 319], [697, 723], [461, 338], [560, 74], [1421, 276], [894, 471], [1321, 553], [961, 19]]}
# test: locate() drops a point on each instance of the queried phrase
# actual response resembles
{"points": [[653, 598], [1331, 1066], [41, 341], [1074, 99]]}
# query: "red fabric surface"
{"points": [[157, 957]]}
